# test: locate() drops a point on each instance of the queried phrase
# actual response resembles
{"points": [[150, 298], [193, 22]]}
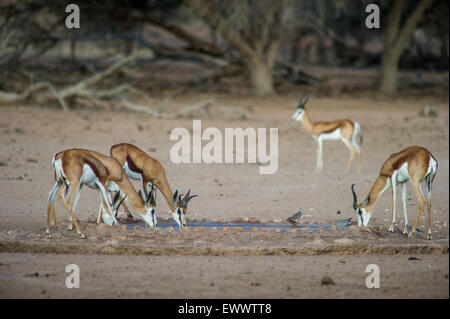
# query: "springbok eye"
{"points": [[359, 211]]}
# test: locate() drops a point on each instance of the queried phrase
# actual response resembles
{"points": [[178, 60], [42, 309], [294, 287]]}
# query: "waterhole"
{"points": [[243, 225]]}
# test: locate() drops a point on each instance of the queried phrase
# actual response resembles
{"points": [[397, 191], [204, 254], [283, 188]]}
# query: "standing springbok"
{"points": [[415, 164], [75, 168], [138, 165], [343, 130]]}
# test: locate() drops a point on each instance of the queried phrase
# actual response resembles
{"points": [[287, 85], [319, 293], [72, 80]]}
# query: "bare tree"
{"points": [[397, 38], [21, 29], [254, 28]]}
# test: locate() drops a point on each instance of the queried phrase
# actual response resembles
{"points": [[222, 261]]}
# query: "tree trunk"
{"points": [[396, 41], [261, 77], [389, 69]]}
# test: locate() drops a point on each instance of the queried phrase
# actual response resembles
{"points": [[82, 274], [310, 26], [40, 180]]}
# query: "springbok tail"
{"points": [[53, 191], [59, 173], [356, 132]]}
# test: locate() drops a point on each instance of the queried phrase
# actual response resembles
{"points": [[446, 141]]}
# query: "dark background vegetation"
{"points": [[236, 46]]}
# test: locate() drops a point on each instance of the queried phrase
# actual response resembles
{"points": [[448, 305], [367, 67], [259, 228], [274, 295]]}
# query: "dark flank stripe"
{"points": [[133, 166]]}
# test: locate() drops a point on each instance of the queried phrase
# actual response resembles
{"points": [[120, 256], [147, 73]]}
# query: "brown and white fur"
{"points": [[73, 169], [140, 166], [343, 130], [119, 182], [414, 164]]}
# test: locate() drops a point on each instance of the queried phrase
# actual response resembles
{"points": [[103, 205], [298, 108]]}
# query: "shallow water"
{"points": [[245, 226]]}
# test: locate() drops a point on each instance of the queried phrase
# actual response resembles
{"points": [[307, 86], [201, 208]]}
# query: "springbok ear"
{"points": [[366, 202]]}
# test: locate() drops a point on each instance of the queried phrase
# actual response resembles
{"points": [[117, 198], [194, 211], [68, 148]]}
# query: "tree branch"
{"points": [[411, 23], [73, 90]]}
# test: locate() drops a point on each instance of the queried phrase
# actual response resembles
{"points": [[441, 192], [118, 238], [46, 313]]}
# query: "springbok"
{"points": [[75, 168], [140, 166], [414, 164], [343, 130], [120, 183]]}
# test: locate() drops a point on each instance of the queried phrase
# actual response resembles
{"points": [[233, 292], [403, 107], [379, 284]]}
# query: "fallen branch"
{"points": [[167, 115], [140, 108], [11, 97], [72, 90], [79, 88], [203, 105]]}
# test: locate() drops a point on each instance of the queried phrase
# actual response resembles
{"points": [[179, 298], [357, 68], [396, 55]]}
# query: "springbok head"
{"points": [[298, 115], [109, 219], [181, 203], [150, 204], [361, 209]]}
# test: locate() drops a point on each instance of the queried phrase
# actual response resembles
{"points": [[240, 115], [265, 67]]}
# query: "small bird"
{"points": [[295, 219], [344, 222]]}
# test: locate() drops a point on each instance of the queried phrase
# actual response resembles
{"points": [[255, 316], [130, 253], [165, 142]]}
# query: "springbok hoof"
{"points": [[83, 236], [411, 235], [70, 227], [366, 229]]}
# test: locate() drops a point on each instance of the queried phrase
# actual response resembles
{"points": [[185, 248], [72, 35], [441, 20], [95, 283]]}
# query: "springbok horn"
{"points": [[189, 198], [116, 198], [305, 100], [355, 200], [186, 198], [151, 196], [146, 189], [121, 202], [153, 200], [175, 196], [192, 197]]}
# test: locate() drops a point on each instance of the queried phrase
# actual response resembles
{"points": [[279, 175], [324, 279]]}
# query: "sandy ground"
{"points": [[29, 137], [222, 277]]}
